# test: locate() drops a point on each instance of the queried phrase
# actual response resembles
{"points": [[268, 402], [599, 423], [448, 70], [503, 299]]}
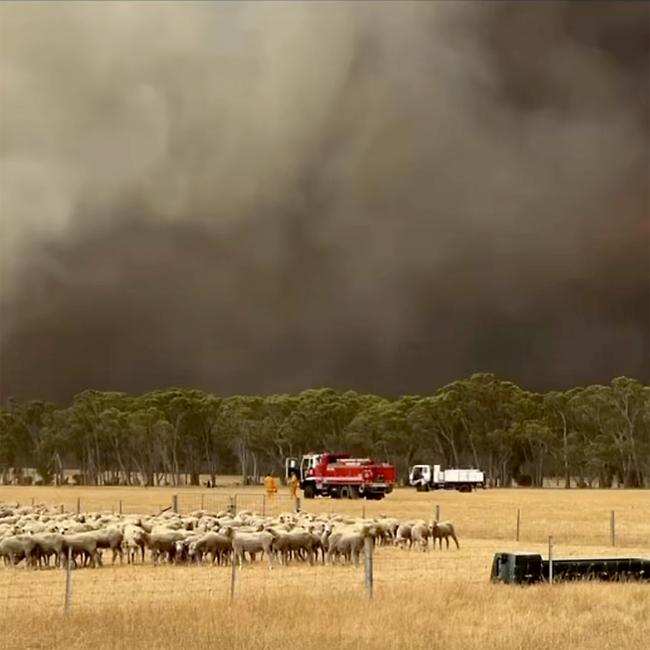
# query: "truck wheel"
{"points": [[309, 491], [335, 494], [345, 492]]}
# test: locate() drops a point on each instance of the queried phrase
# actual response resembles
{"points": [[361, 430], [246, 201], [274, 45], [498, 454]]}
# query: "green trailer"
{"points": [[530, 568]]}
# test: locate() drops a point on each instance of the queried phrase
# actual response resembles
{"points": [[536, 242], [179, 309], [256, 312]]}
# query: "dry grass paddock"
{"points": [[438, 599]]}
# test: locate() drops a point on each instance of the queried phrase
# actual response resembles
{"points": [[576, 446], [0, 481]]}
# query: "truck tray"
{"points": [[529, 568]]}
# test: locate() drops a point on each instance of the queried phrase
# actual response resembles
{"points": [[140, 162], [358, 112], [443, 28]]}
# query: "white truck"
{"points": [[431, 477]]}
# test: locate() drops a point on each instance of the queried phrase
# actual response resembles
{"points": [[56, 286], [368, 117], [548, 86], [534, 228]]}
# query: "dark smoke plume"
{"points": [[265, 197]]}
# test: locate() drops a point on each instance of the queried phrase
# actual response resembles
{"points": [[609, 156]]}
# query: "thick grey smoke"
{"points": [[267, 196]]}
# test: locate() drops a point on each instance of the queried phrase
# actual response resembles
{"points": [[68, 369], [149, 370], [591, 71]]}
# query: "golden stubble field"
{"points": [[437, 599]]}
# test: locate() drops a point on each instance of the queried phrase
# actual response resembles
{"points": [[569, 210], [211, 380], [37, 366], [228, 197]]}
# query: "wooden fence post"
{"points": [[202, 501], [368, 565], [612, 527], [233, 577], [78, 505], [175, 503], [550, 559], [120, 506], [363, 510], [518, 522], [437, 513], [297, 504], [68, 583]]}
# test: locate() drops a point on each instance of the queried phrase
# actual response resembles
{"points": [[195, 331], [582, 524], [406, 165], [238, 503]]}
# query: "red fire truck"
{"points": [[338, 476]]}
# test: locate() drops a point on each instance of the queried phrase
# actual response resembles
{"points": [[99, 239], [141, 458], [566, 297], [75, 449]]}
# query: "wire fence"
{"points": [[380, 571], [262, 504], [482, 532], [626, 525]]}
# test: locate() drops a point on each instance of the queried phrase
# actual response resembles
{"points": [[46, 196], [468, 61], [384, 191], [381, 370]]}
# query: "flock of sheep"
{"points": [[41, 536]]}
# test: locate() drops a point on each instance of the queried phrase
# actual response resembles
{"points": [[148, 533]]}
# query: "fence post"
{"points": [[175, 503], [368, 565], [32, 502], [437, 513], [78, 505], [363, 510], [68, 583], [62, 509], [297, 504], [518, 522], [612, 527], [120, 506], [550, 559], [233, 577], [202, 501]]}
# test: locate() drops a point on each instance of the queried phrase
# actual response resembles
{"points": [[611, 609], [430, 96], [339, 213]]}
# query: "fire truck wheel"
{"points": [[345, 492], [309, 491]]}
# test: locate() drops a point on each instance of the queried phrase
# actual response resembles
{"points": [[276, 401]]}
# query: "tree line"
{"points": [[173, 436]]}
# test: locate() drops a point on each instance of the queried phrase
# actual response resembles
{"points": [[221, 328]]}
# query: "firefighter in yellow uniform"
{"points": [[269, 485], [294, 483]]}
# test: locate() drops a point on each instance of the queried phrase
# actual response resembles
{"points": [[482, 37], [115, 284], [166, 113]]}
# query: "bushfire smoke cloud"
{"points": [[265, 197]]}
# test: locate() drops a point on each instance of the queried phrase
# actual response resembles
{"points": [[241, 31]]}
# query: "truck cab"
{"points": [[306, 466], [420, 477]]}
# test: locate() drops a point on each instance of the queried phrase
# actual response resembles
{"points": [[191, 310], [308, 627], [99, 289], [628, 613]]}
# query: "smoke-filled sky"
{"points": [[267, 197]]}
